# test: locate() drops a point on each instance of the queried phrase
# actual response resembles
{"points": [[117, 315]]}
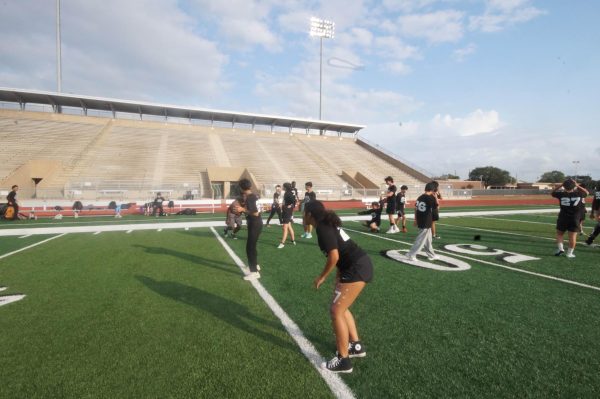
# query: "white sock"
{"points": [[561, 247], [570, 251]]}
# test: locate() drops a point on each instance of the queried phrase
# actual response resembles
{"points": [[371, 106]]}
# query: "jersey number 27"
{"points": [[566, 201]]}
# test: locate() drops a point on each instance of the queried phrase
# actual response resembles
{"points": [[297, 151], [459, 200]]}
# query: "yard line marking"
{"points": [[30, 246], [562, 280], [3, 288], [514, 220], [5, 300], [96, 233], [159, 230], [128, 231], [335, 383], [495, 231], [25, 236]]}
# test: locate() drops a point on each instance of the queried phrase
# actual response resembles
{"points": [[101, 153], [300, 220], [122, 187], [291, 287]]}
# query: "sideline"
{"points": [[335, 383], [546, 276]]}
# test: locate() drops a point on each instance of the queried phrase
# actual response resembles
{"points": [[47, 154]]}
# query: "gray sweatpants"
{"points": [[423, 241]]}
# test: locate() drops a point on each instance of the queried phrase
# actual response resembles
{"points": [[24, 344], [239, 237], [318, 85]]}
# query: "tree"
{"points": [[491, 176], [553, 177]]}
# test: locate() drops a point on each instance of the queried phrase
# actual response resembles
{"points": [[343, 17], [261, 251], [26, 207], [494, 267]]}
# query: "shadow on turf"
{"points": [[223, 266], [232, 313]]}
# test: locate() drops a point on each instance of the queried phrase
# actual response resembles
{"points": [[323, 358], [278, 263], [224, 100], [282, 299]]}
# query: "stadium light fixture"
{"points": [[323, 29], [58, 49], [576, 163]]}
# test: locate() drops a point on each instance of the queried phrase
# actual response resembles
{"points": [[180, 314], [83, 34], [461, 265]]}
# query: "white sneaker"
{"points": [[258, 267], [281, 245], [396, 229], [308, 236], [410, 258], [390, 231], [568, 255], [252, 276], [434, 257]]}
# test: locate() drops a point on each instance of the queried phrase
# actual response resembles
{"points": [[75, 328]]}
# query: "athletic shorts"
{"points": [[286, 215], [390, 208], [361, 270], [568, 224], [435, 215], [401, 212]]}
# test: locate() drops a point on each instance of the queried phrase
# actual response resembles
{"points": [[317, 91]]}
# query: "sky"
{"points": [[446, 85]]}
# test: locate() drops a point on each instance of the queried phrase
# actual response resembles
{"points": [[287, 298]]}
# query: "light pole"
{"points": [[58, 49], [576, 163], [321, 28]]}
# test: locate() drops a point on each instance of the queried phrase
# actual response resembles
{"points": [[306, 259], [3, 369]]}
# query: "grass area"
{"points": [[166, 314]]}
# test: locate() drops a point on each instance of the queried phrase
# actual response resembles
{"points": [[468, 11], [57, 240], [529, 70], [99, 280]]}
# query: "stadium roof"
{"points": [[59, 100]]}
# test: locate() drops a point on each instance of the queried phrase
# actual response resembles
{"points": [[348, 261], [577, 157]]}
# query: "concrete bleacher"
{"points": [[131, 158]]}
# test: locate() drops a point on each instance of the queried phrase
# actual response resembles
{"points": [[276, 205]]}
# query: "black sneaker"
{"points": [[589, 241], [559, 253], [338, 365], [355, 349]]}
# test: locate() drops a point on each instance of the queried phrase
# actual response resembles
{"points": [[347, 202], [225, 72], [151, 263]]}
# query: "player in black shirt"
{"points": [[296, 199], [157, 205], [390, 209], [354, 271], [568, 217], [423, 220], [276, 204], [11, 200], [400, 207], [289, 202], [375, 212], [435, 214], [595, 215], [254, 222], [309, 196]]}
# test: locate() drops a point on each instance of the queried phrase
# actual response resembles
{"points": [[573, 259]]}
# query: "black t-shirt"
{"points": [[436, 197], [276, 196], [309, 196], [375, 215], [596, 201], [424, 211], [331, 238], [400, 201], [251, 205], [12, 197], [289, 199], [391, 189], [569, 202], [158, 200]]}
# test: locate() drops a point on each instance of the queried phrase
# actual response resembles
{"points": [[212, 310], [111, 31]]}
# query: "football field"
{"points": [[135, 308]]}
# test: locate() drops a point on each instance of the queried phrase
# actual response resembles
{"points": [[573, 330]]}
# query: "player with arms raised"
{"points": [[570, 194]]}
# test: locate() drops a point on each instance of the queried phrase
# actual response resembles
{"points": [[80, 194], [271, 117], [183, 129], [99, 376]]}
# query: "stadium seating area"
{"points": [[136, 157]]}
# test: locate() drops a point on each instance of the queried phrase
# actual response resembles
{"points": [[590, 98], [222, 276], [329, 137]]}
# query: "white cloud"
{"points": [[406, 5], [435, 27], [462, 53], [500, 14], [477, 122]]}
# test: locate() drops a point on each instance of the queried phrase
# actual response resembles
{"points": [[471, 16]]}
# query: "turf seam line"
{"points": [[488, 263], [336, 384], [30, 246]]}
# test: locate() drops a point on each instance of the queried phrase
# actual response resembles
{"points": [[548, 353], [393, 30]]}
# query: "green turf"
{"points": [[166, 314]]}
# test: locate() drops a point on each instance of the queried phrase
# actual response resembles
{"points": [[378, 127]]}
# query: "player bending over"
{"points": [[354, 271], [569, 194], [375, 213], [233, 218]]}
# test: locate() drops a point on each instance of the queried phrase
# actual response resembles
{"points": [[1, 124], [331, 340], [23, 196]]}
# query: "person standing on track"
{"points": [[568, 218], [354, 271]]}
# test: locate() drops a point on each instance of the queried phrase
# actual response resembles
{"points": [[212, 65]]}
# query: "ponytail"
{"points": [[320, 214]]}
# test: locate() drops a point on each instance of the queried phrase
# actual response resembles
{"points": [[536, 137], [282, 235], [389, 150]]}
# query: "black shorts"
{"points": [[286, 215], [361, 270], [435, 215], [568, 224], [401, 212], [390, 209]]}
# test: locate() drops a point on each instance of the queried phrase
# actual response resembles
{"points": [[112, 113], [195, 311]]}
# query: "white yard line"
{"points": [[30, 246], [562, 280], [335, 383]]}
